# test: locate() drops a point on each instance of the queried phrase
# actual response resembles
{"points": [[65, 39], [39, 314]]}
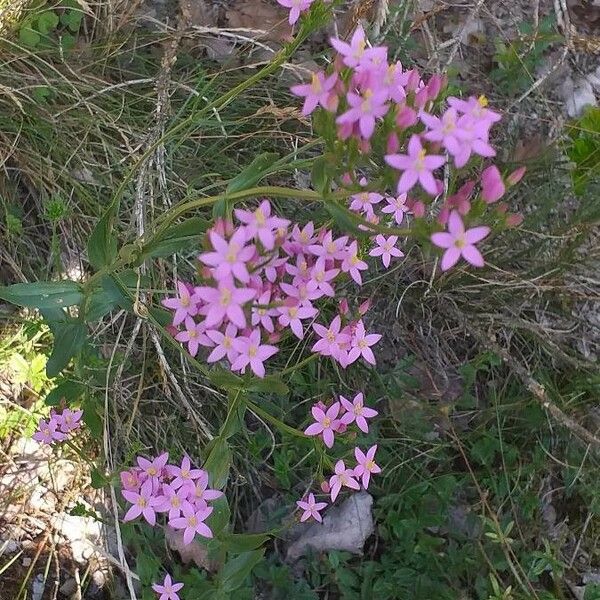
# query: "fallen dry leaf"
{"points": [[345, 527], [194, 552], [261, 16]]}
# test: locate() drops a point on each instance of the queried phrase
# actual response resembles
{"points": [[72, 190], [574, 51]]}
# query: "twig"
{"points": [[538, 391]]}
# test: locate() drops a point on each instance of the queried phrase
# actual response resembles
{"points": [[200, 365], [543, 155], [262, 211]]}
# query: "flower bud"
{"points": [[516, 176]]}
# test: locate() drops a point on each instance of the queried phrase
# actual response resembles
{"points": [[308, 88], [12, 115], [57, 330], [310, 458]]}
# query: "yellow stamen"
{"points": [[483, 101]]}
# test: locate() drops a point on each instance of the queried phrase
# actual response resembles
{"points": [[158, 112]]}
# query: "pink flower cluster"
{"points": [[342, 477], [329, 421], [57, 428], [182, 492], [336, 418], [370, 98], [260, 279]]}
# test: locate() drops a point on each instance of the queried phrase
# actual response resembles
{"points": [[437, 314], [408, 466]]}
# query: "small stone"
{"points": [[26, 562], [8, 546], [577, 96], [68, 587], [37, 587]]}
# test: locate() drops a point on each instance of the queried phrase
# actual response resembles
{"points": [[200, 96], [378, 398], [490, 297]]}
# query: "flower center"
{"points": [[193, 333], [460, 242], [192, 521], [232, 253], [225, 297], [326, 422], [366, 105], [142, 503], [316, 84], [185, 473], [369, 465], [482, 101], [320, 276], [360, 49], [260, 218], [252, 351], [358, 407], [362, 344], [227, 342], [293, 311], [152, 471], [331, 248], [185, 301], [175, 502], [304, 237], [330, 336], [354, 260], [344, 479]]}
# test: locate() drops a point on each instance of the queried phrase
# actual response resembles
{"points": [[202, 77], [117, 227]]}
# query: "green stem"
{"points": [[263, 414]]}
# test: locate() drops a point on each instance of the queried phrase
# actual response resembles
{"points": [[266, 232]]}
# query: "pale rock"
{"points": [[345, 527], [37, 587], [577, 95]]}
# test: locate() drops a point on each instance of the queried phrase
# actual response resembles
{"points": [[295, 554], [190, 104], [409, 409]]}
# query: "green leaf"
{"points": [[42, 294], [69, 339], [243, 542], [236, 570], [176, 238], [253, 173], [91, 417], [226, 379], [219, 518], [110, 294], [72, 19], [235, 415], [69, 391], [218, 462], [161, 316], [67, 42], [29, 37], [98, 479], [102, 245], [270, 384], [343, 218], [47, 21], [319, 177]]}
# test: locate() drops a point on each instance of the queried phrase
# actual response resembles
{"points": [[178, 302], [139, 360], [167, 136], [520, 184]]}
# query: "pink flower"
{"points": [[262, 315], [443, 129], [366, 464], [417, 166], [153, 468], [364, 110], [172, 500], [311, 508], [291, 315], [318, 91], [225, 301], [261, 224], [321, 276], [184, 475], [185, 305], [193, 335], [130, 480], [303, 238], [355, 51], [386, 248], [69, 420], [492, 185], [342, 477], [201, 494], [296, 7], [397, 207], [326, 423], [47, 432], [192, 522], [457, 242], [331, 338], [357, 412], [361, 344], [230, 257], [144, 503], [364, 201], [252, 353], [224, 344], [330, 248], [168, 589], [476, 109], [352, 264]]}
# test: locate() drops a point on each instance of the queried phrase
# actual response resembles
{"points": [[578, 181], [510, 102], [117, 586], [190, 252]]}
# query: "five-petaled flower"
{"points": [[357, 412], [342, 477], [386, 248], [192, 523], [366, 464], [459, 242], [326, 423], [311, 508], [167, 589]]}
